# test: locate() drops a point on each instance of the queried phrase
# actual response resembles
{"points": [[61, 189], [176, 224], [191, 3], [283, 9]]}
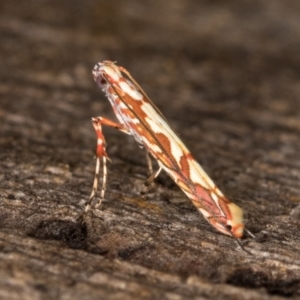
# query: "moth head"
{"points": [[235, 230], [235, 221], [106, 73], [98, 75], [231, 225]]}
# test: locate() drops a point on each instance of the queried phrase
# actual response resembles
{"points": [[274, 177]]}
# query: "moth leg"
{"points": [[149, 164], [153, 176], [101, 154], [109, 123]]}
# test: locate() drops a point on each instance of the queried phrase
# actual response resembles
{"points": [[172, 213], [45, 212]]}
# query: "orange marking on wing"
{"points": [[184, 165]]}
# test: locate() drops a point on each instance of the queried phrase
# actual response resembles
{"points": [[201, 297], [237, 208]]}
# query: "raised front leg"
{"points": [[101, 154]]}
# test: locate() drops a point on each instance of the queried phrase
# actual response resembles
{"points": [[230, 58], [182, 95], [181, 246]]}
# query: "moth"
{"points": [[139, 117]]}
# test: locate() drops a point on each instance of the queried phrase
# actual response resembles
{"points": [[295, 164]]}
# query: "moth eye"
{"points": [[101, 82]]}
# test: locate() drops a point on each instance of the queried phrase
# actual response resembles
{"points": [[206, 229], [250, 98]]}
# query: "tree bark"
{"points": [[225, 75]]}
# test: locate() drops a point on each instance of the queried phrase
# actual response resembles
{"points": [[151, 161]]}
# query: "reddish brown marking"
{"points": [[135, 111], [135, 104], [165, 142], [185, 168], [100, 151], [189, 156], [206, 198]]}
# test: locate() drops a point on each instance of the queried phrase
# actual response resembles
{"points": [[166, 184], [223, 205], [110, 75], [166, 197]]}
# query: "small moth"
{"points": [[138, 116]]}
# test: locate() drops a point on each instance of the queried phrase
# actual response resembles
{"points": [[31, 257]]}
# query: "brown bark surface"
{"points": [[226, 74]]}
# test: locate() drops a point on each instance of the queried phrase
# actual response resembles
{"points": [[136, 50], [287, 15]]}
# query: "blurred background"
{"points": [[226, 74]]}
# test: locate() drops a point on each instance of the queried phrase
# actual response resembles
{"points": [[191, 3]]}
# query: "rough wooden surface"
{"points": [[225, 74]]}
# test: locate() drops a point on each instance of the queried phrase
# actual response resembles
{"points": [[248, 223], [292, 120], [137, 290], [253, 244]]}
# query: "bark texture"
{"points": [[225, 74]]}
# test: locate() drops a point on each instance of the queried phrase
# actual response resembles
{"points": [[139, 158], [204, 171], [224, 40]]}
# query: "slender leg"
{"points": [[101, 153], [149, 163], [110, 123], [95, 186], [153, 176], [103, 189]]}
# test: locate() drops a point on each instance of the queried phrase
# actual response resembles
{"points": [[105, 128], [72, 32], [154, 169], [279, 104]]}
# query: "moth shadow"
{"points": [[71, 233]]}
